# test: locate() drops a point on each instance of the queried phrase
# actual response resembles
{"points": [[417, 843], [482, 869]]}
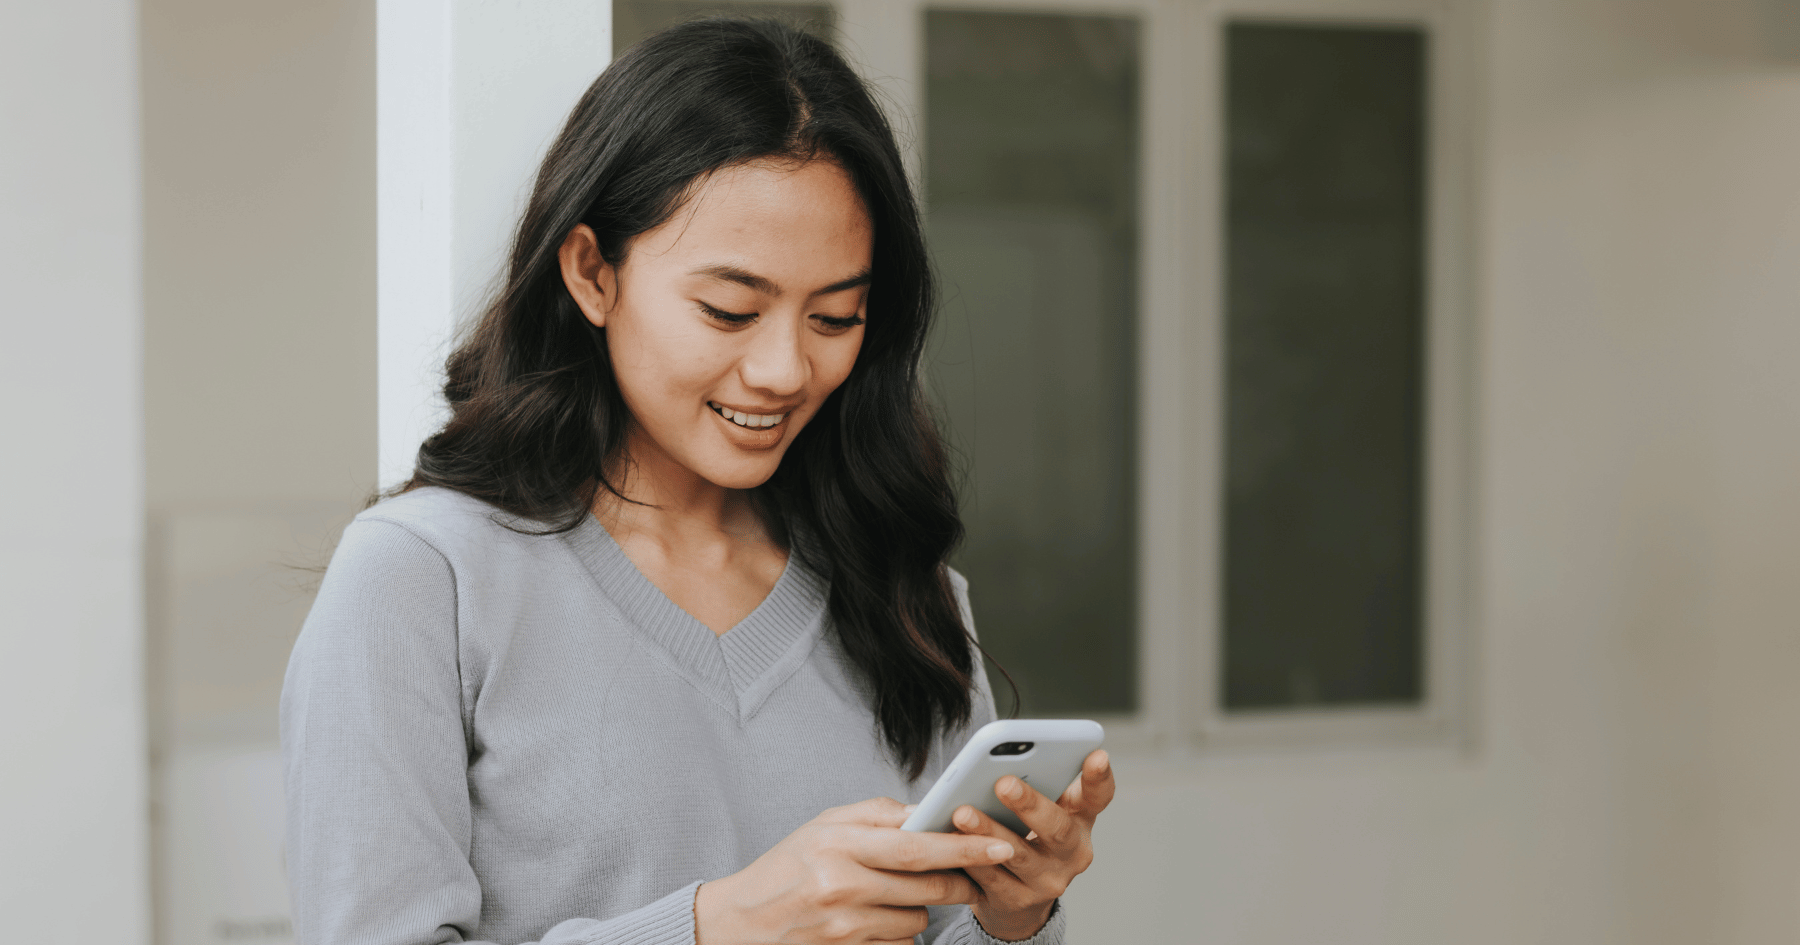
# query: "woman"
{"points": [[661, 624]]}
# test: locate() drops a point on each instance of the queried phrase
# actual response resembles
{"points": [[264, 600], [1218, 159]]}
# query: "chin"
{"points": [[740, 475]]}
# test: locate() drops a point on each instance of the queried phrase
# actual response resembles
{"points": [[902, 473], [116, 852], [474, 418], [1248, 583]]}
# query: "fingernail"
{"points": [[966, 817], [1105, 762], [1000, 851], [1014, 789]]}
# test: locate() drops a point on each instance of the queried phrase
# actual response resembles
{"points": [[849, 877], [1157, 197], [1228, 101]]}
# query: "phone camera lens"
{"points": [[1012, 748]]}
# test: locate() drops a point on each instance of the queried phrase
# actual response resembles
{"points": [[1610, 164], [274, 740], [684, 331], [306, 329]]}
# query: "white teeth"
{"points": [[750, 420]]}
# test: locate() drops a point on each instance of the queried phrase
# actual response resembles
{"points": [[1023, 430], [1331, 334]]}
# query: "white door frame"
{"points": [[469, 94]]}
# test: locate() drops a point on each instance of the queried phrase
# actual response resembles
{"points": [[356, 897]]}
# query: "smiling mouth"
{"points": [[749, 421]]}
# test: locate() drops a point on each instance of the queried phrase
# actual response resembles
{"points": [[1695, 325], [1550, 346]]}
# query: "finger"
{"points": [[942, 888], [874, 812], [1092, 792], [910, 852], [999, 884], [1055, 828], [973, 822], [893, 923]]}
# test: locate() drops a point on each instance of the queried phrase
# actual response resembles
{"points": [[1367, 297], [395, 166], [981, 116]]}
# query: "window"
{"points": [[1031, 188], [635, 19], [1324, 326]]}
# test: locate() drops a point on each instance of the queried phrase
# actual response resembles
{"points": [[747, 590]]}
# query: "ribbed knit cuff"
{"points": [[1050, 934], [667, 921]]}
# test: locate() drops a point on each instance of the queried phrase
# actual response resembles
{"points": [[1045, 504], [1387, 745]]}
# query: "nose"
{"points": [[775, 361]]}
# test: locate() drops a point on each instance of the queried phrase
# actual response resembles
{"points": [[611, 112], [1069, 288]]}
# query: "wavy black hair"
{"points": [[536, 414]]}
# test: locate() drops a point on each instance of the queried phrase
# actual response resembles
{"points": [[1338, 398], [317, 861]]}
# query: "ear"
{"points": [[591, 280]]}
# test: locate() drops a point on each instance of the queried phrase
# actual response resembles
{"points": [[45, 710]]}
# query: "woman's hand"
{"points": [[849, 875], [1017, 897]]}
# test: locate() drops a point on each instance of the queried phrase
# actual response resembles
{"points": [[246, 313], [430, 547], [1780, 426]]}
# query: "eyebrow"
{"points": [[751, 280]]}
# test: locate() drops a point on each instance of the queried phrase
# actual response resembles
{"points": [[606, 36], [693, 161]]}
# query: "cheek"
{"points": [[655, 356], [832, 366]]}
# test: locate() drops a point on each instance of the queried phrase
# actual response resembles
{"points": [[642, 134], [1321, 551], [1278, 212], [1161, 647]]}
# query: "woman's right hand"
{"points": [[849, 875]]}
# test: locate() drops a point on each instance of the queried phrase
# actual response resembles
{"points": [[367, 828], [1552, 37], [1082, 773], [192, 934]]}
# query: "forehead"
{"points": [[804, 221]]}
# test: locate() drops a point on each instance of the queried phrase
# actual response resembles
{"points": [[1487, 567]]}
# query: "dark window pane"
{"points": [[1031, 158], [1325, 277], [635, 19]]}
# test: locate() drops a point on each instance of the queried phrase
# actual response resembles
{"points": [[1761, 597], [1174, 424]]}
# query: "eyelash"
{"points": [[744, 318], [730, 318]]}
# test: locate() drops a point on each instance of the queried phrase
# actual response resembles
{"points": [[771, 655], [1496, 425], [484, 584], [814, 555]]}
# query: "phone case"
{"points": [[1058, 746]]}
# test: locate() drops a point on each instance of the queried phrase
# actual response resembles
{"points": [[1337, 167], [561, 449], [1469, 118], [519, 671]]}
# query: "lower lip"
{"points": [[756, 436]]}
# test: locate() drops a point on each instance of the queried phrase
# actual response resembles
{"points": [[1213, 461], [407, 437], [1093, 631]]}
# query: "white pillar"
{"points": [[469, 95], [74, 805], [884, 40]]}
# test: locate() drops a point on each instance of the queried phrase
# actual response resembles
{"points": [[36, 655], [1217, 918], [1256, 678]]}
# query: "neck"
{"points": [[661, 500]]}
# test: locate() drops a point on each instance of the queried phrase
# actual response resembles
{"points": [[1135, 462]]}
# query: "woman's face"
{"points": [[732, 322]]}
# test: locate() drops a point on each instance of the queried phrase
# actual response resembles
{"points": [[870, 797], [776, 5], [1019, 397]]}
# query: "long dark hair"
{"points": [[537, 417]]}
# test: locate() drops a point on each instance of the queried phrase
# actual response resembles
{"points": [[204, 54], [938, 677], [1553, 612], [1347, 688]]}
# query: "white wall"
{"points": [[259, 190], [259, 194], [1634, 772], [73, 800]]}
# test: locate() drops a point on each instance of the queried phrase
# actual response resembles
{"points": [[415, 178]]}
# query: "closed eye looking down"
{"points": [[734, 319]]}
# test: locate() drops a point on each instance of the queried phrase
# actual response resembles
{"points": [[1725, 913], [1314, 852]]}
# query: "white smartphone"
{"points": [[1044, 753]]}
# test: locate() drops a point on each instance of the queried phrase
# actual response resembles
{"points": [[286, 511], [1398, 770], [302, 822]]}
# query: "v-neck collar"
{"points": [[737, 669]]}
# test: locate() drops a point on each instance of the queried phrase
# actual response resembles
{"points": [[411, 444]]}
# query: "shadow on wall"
{"points": [[228, 598], [1780, 21]]}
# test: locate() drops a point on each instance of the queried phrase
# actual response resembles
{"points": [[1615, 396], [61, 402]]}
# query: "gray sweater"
{"points": [[515, 738]]}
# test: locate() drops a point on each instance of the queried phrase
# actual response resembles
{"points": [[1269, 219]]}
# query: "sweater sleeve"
{"points": [[963, 929], [375, 756]]}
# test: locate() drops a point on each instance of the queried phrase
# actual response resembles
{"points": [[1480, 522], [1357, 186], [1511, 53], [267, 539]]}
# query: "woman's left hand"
{"points": [[1019, 894]]}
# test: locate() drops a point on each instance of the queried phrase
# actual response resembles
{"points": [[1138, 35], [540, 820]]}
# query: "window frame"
{"points": [[1181, 358], [1443, 716]]}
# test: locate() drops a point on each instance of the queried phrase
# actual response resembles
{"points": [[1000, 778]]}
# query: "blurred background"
{"points": [[1383, 414]]}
